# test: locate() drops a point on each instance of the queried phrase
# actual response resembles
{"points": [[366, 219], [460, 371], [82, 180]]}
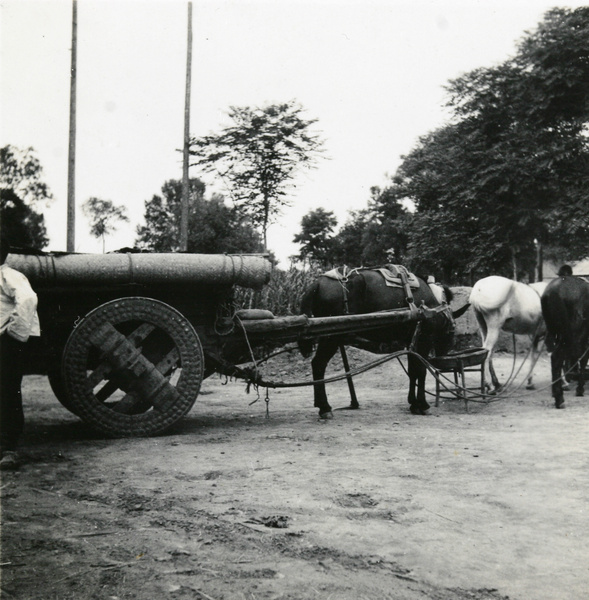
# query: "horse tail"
{"points": [[460, 311], [306, 347]]}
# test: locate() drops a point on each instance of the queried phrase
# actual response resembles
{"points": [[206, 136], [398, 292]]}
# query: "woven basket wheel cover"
{"points": [[137, 414]]}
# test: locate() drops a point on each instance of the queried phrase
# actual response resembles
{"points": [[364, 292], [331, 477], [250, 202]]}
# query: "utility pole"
{"points": [[71, 174], [186, 154]]}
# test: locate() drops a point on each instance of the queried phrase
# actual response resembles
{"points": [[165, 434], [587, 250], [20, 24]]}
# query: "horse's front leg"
{"points": [[416, 398], [325, 351]]}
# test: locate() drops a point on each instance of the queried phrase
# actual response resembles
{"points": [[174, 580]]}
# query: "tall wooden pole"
{"points": [[71, 175], [186, 154]]}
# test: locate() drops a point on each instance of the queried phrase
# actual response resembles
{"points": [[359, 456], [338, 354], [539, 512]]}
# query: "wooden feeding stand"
{"points": [[460, 363]]}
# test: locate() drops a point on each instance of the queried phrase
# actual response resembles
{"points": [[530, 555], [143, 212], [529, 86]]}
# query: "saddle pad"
{"points": [[390, 273], [392, 276]]}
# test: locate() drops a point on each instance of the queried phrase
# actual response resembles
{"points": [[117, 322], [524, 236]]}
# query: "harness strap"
{"points": [[407, 288], [343, 281]]}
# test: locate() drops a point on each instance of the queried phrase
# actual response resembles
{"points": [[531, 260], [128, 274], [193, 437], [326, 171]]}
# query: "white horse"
{"points": [[503, 304]]}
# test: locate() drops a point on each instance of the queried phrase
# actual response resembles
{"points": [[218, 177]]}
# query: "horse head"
{"points": [[444, 330]]}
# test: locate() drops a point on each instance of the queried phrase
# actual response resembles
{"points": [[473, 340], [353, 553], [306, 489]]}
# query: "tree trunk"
{"points": [[539, 261], [514, 264]]}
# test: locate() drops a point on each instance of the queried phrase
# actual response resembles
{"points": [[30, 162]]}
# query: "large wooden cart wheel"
{"points": [[132, 367], [58, 388]]}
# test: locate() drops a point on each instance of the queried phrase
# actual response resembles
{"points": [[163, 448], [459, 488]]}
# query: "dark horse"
{"points": [[565, 307], [365, 291]]}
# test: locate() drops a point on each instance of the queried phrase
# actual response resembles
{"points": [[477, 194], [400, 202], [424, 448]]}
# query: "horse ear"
{"points": [[458, 313]]}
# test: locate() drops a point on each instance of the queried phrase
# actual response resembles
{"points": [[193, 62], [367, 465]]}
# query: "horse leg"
{"points": [[556, 362], [534, 356], [417, 372], [325, 351], [490, 335], [490, 343]]}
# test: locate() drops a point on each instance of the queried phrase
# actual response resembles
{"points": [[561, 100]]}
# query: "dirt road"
{"points": [[375, 504]]}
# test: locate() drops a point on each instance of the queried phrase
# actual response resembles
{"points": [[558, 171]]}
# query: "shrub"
{"points": [[282, 295]]}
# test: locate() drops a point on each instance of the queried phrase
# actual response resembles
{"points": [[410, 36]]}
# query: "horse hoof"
{"points": [[326, 415], [531, 386], [560, 404], [417, 411], [580, 394]]}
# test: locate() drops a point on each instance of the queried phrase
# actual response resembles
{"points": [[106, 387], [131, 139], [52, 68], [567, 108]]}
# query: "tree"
{"points": [[348, 248], [386, 235], [21, 225], [21, 172], [213, 227], [104, 217], [22, 190], [258, 156], [512, 168], [316, 235]]}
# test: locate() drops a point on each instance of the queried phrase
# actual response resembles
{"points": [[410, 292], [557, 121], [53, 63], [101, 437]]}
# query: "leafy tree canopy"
{"points": [[213, 227], [21, 171], [258, 156], [22, 190], [21, 225], [512, 168], [348, 244], [104, 217], [315, 237]]}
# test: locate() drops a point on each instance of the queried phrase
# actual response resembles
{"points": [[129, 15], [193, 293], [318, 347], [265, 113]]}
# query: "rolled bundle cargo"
{"points": [[64, 270]]}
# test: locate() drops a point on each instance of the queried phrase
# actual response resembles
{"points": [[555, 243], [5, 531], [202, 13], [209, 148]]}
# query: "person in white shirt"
{"points": [[18, 321]]}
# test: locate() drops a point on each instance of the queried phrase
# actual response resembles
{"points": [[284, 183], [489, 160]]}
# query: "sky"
{"points": [[372, 72]]}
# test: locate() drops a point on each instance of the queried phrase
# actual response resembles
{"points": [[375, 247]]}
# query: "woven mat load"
{"points": [[63, 270]]}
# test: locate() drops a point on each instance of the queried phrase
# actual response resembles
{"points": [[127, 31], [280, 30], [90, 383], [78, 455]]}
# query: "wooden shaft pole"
{"points": [[353, 397]]}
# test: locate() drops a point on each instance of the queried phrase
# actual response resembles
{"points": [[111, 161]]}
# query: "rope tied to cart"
{"points": [[254, 378]]}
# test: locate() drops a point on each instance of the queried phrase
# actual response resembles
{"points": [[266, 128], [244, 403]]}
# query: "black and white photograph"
{"points": [[294, 300]]}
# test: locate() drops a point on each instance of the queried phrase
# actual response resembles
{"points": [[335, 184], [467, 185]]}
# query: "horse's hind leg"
{"points": [[534, 354], [325, 351], [556, 362], [490, 335]]}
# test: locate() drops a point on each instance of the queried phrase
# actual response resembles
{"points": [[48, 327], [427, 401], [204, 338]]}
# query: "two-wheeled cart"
{"points": [[127, 338]]}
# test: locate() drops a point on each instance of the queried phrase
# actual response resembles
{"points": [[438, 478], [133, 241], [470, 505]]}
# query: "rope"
{"points": [[446, 383], [254, 378]]}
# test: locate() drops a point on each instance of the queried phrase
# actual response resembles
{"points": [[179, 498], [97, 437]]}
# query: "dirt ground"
{"points": [[374, 504]]}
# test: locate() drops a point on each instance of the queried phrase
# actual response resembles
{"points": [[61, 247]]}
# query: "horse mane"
{"points": [[448, 293]]}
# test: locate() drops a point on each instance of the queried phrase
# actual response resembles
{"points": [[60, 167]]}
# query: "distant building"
{"points": [[580, 268]]}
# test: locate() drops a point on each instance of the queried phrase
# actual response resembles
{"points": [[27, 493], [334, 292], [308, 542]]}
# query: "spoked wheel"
{"points": [[132, 367]]}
